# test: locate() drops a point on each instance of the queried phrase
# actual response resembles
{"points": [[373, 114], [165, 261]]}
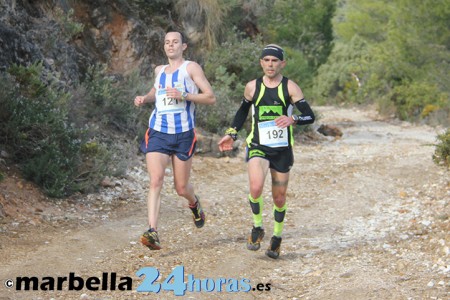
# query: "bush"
{"points": [[345, 77], [215, 118], [109, 100], [228, 68], [37, 133], [69, 28], [417, 100], [238, 56], [441, 154]]}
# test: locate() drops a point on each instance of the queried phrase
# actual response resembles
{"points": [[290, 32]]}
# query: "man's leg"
{"points": [[181, 173], [257, 172], [279, 190], [156, 165]]}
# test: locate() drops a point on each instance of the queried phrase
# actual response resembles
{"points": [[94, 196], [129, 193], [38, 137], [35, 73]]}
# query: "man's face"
{"points": [[173, 46], [271, 66]]}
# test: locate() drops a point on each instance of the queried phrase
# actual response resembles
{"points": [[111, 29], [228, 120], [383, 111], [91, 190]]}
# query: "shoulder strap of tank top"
{"points": [[284, 83], [257, 89]]}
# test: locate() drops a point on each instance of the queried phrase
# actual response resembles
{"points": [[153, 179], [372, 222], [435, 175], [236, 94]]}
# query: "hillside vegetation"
{"points": [[71, 68]]}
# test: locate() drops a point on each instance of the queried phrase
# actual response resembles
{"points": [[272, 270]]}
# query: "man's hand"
{"points": [[284, 121], [173, 93], [139, 100], [226, 143]]}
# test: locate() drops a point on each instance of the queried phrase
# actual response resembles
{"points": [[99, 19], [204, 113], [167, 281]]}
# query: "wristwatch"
{"points": [[295, 118], [184, 95]]}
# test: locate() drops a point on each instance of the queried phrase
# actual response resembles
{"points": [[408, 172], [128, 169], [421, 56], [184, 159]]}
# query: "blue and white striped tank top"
{"points": [[172, 115]]}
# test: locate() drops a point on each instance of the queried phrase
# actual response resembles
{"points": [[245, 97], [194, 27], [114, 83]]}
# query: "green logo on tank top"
{"points": [[269, 112]]}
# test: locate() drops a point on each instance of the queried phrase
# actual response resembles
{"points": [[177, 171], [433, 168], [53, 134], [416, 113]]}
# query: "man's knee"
{"points": [[182, 190], [279, 201], [156, 182]]}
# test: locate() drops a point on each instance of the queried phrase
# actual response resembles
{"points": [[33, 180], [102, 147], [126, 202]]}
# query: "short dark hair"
{"points": [[183, 36]]}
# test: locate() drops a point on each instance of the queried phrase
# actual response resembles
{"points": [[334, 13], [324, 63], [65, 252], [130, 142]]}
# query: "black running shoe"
{"points": [[274, 249], [255, 238], [151, 240], [198, 214]]}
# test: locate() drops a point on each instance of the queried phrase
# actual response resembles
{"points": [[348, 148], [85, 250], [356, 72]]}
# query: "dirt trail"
{"points": [[368, 218]]}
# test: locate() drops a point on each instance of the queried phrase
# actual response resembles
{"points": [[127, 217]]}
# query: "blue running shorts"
{"points": [[181, 144]]}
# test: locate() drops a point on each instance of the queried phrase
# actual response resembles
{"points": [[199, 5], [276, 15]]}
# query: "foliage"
{"points": [[297, 69], [304, 26], [68, 26], [416, 101], [229, 94], [110, 100], [367, 19], [442, 151], [228, 68], [238, 55], [37, 132], [154, 11], [403, 65], [341, 79], [207, 16]]}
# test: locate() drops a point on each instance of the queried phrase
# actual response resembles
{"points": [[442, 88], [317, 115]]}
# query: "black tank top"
{"points": [[269, 104]]}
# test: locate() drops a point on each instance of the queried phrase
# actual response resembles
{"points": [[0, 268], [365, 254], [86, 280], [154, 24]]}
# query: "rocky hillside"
{"points": [[68, 36]]}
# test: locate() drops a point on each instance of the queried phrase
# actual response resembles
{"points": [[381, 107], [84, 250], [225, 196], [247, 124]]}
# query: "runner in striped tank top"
{"points": [[170, 137]]}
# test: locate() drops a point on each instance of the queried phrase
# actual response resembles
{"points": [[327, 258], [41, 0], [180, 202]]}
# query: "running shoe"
{"points": [[198, 214], [255, 238], [150, 239], [274, 249]]}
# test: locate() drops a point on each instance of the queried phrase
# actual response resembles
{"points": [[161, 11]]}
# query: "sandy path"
{"points": [[368, 218]]}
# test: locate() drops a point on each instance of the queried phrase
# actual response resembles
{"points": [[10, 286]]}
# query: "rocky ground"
{"points": [[368, 218]]}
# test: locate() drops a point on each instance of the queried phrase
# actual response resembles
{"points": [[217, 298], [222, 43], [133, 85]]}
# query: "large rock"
{"points": [[330, 130]]}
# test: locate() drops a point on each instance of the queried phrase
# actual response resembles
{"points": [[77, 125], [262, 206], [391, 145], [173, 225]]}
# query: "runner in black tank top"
{"points": [[269, 144]]}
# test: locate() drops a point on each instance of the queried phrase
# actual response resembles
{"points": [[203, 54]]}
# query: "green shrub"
{"points": [[36, 131], [228, 68], [417, 100], [215, 118], [345, 77], [441, 154], [238, 56], [109, 101], [298, 70], [69, 28]]}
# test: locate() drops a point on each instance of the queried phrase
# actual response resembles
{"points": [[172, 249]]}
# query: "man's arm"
{"points": [[242, 113], [226, 143], [298, 99], [207, 95], [150, 96]]}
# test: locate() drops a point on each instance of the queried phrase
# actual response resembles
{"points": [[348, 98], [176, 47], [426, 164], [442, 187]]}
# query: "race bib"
{"points": [[168, 105], [271, 135]]}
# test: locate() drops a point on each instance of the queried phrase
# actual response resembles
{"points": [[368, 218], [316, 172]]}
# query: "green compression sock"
{"points": [[279, 214], [257, 208]]}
